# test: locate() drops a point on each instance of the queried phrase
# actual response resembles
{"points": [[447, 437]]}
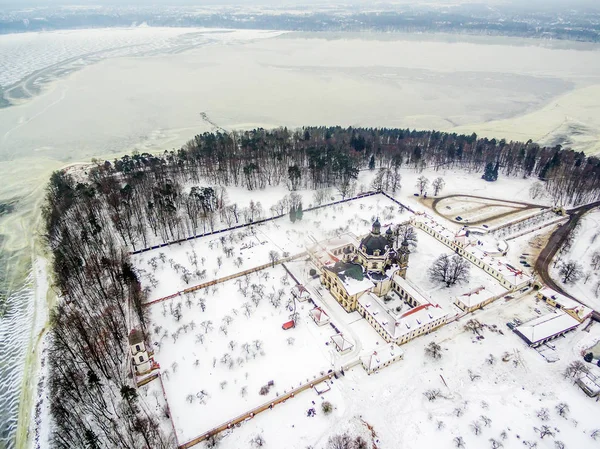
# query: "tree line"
{"points": [[93, 404], [180, 193]]}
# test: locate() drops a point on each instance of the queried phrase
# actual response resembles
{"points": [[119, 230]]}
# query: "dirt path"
{"points": [[525, 206]]}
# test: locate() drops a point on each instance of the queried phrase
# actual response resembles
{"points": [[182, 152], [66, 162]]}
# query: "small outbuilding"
{"points": [[342, 344], [381, 357], [319, 316], [300, 292], [545, 328]]}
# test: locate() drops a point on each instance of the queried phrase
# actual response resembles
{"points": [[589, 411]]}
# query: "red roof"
{"points": [[288, 325], [416, 309]]}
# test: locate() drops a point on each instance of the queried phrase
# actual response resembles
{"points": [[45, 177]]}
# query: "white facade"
{"points": [[139, 355]]}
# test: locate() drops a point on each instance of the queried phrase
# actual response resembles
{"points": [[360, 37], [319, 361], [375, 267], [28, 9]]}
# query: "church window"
{"points": [[137, 348], [141, 358]]}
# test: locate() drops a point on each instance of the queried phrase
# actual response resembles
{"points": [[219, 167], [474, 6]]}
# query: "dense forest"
{"points": [[92, 223], [543, 21]]}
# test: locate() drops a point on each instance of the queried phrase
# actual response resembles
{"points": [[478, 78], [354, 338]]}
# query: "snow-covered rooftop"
{"points": [[565, 302], [514, 275], [319, 315], [546, 326], [411, 289], [592, 386], [352, 277], [476, 296], [374, 359], [341, 342], [410, 320]]}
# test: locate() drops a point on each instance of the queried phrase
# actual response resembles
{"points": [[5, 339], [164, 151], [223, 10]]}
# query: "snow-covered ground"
{"points": [[510, 393], [214, 372], [585, 244]]}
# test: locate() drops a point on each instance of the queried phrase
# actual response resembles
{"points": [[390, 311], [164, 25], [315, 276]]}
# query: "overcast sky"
{"points": [[528, 4]]}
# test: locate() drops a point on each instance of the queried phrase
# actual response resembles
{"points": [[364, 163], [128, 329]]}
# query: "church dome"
{"points": [[374, 241]]}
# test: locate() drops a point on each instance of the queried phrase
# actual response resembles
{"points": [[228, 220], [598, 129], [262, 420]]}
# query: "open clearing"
{"points": [[476, 210], [213, 372]]}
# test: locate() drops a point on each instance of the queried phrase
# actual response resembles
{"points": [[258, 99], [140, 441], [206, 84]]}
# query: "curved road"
{"points": [[556, 240]]}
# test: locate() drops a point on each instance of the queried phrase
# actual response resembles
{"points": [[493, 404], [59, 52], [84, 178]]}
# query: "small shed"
{"points": [[319, 316], [342, 344], [300, 292]]}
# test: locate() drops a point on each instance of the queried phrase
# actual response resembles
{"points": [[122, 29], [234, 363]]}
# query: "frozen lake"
{"points": [[73, 95]]}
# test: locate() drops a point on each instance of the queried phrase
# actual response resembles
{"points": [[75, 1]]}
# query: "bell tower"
{"points": [[403, 254]]}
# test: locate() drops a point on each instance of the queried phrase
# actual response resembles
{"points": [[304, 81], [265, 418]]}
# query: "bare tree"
{"points": [[207, 325], [536, 190], [571, 272], [422, 183], [575, 370], [438, 185], [404, 232], [433, 350], [273, 257], [559, 445], [340, 442], [432, 394], [449, 270], [459, 443], [257, 441], [476, 427], [495, 444], [474, 326], [543, 414], [562, 409], [544, 431]]}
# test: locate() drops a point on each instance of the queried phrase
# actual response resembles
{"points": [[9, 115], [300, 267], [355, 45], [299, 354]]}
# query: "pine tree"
{"points": [[372, 162], [299, 212], [491, 172], [293, 214]]}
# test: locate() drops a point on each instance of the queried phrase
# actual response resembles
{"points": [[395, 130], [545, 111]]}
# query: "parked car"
{"points": [[459, 218], [485, 226], [518, 322], [416, 194], [510, 325]]}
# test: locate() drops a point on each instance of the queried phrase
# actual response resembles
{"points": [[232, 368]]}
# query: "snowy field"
{"points": [[508, 395], [218, 347], [475, 209]]}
